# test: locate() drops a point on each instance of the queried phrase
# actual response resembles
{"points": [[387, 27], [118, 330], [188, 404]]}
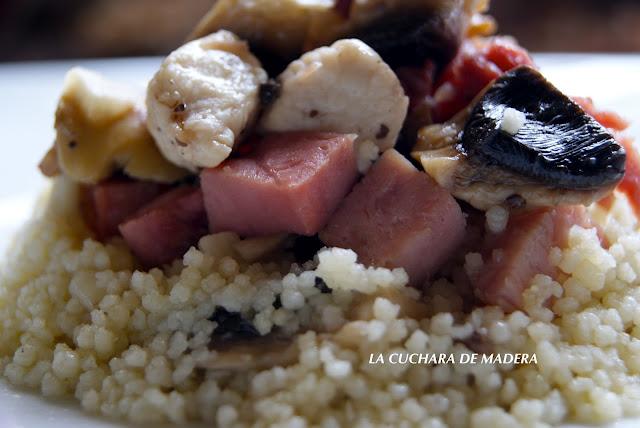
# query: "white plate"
{"points": [[29, 94]]}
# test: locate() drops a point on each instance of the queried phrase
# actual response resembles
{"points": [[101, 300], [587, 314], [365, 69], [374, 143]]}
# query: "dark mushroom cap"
{"points": [[408, 38], [559, 144]]}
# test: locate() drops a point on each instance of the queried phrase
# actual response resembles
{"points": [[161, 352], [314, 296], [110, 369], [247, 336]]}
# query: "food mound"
{"points": [[314, 199]]}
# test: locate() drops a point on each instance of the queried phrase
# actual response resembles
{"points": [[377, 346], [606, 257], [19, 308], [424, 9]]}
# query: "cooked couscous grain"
{"points": [[77, 319]]}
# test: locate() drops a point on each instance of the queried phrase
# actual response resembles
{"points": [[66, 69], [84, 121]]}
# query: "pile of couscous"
{"points": [[76, 319]]}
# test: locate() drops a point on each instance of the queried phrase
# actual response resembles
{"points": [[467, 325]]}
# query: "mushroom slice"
{"points": [[278, 27], [402, 31], [257, 248], [342, 88], [101, 127], [258, 353], [410, 31], [524, 138], [204, 96]]}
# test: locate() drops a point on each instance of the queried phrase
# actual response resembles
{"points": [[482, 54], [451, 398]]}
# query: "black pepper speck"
{"points": [[322, 286], [382, 132]]}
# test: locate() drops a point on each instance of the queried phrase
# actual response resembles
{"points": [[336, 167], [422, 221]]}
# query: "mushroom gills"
{"points": [[522, 137], [239, 346]]}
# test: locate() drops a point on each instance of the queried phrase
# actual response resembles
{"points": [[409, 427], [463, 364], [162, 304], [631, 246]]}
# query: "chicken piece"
{"points": [[288, 183], [107, 204], [101, 127], [163, 230], [342, 88], [49, 166], [398, 217], [203, 98], [521, 252]]}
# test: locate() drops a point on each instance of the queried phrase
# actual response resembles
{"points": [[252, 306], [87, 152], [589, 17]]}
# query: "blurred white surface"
{"points": [[31, 91]]}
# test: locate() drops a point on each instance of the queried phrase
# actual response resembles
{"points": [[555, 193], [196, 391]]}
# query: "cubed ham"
{"points": [[568, 216], [521, 252], [398, 216], [105, 205], [287, 183], [165, 229]]}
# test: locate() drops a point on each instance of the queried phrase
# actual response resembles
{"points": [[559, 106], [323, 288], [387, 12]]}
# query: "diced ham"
{"points": [[398, 216], [288, 183], [568, 216], [521, 252], [165, 229], [106, 204]]}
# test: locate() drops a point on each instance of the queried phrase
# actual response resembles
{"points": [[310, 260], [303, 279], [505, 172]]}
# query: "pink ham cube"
{"points": [[106, 204], [398, 216], [287, 183], [517, 255], [165, 229]]}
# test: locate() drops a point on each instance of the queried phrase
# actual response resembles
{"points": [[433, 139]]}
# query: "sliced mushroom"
{"points": [[257, 248], [342, 88], [101, 127], [231, 326], [522, 138], [259, 353], [277, 28], [402, 31], [410, 35], [204, 96]]}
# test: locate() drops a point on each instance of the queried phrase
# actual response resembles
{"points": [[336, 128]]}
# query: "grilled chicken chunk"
{"points": [[202, 99], [101, 128], [342, 88]]}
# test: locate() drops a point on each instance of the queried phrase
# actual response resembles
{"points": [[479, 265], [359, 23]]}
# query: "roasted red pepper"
{"points": [[630, 184], [478, 62]]}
